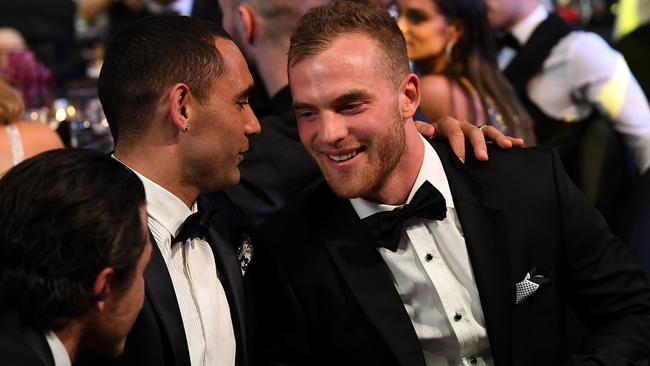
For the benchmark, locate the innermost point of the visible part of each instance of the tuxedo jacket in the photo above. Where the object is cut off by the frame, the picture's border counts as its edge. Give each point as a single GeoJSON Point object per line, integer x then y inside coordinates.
{"type": "Point", "coordinates": [325, 295]}
{"type": "Point", "coordinates": [21, 346]}
{"type": "Point", "coordinates": [158, 337]}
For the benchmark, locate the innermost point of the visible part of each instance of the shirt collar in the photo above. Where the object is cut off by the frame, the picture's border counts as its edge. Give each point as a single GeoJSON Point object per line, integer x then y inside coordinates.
{"type": "Point", "coordinates": [162, 205]}
{"type": "Point", "coordinates": [525, 28]}
{"type": "Point", "coordinates": [430, 170]}
{"type": "Point", "coordinates": [59, 353]}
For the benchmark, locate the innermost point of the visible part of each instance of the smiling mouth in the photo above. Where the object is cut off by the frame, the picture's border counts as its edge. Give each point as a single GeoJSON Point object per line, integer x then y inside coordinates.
{"type": "Point", "coordinates": [343, 157]}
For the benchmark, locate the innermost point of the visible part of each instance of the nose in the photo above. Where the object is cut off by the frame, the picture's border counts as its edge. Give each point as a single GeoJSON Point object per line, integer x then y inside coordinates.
{"type": "Point", "coordinates": [333, 129]}
{"type": "Point", "coordinates": [252, 125]}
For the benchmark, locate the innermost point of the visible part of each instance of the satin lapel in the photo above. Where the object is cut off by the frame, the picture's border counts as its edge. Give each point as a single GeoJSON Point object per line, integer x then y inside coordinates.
{"type": "Point", "coordinates": [231, 279]}
{"type": "Point", "coordinates": [369, 279]}
{"type": "Point", "coordinates": [488, 255]}
{"type": "Point", "coordinates": [161, 294]}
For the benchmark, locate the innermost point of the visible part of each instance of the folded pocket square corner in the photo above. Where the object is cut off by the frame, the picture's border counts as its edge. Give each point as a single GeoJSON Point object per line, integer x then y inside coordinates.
{"type": "Point", "coordinates": [525, 288]}
{"type": "Point", "coordinates": [531, 283]}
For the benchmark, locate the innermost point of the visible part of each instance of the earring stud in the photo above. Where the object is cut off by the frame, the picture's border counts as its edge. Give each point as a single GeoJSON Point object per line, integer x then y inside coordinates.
{"type": "Point", "coordinates": [187, 127]}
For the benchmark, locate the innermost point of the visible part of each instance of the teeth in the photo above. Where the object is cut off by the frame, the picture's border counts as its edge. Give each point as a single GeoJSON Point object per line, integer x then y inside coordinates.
{"type": "Point", "coordinates": [343, 157]}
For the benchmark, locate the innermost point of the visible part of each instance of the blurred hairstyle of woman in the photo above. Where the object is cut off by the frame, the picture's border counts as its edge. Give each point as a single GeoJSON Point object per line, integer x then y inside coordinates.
{"type": "Point", "coordinates": [20, 140]}
{"type": "Point", "coordinates": [451, 47]}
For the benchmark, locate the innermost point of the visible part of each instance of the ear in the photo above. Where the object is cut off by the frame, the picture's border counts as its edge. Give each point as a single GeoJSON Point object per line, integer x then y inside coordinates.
{"type": "Point", "coordinates": [102, 288]}
{"type": "Point", "coordinates": [409, 98]}
{"type": "Point", "coordinates": [248, 22]}
{"type": "Point", "coordinates": [179, 105]}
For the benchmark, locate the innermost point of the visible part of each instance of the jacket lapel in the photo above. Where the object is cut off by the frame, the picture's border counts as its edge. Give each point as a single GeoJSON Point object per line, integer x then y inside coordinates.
{"type": "Point", "coordinates": [487, 253]}
{"type": "Point", "coordinates": [231, 278]}
{"type": "Point", "coordinates": [161, 294]}
{"type": "Point", "coordinates": [369, 279]}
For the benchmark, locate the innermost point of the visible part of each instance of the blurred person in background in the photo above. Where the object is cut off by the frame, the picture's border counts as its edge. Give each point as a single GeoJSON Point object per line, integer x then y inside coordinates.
{"type": "Point", "coordinates": [74, 245]}
{"type": "Point", "coordinates": [450, 45]}
{"type": "Point", "coordinates": [20, 139]}
{"type": "Point", "coordinates": [22, 70]}
{"type": "Point", "coordinates": [122, 12]}
{"type": "Point", "coordinates": [581, 95]}
{"type": "Point", "coordinates": [49, 30]}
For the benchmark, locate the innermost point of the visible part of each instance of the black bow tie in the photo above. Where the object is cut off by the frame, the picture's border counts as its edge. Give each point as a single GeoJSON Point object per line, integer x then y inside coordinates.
{"type": "Point", "coordinates": [195, 226]}
{"type": "Point", "coordinates": [508, 40]}
{"type": "Point", "coordinates": [386, 227]}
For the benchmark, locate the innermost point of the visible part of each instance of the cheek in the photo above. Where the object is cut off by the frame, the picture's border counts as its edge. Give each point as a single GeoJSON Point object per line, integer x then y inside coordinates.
{"type": "Point", "coordinates": [307, 132]}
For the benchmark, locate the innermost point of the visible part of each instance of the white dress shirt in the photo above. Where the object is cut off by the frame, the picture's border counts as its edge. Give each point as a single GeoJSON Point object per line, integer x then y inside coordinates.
{"type": "Point", "coordinates": [59, 353]}
{"type": "Point", "coordinates": [199, 292]}
{"type": "Point", "coordinates": [583, 71]}
{"type": "Point", "coordinates": [433, 276]}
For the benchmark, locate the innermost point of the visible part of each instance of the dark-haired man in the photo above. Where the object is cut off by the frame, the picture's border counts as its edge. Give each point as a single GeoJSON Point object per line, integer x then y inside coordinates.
{"type": "Point", "coordinates": [175, 93]}
{"type": "Point", "coordinates": [74, 245]}
{"type": "Point", "coordinates": [408, 257]}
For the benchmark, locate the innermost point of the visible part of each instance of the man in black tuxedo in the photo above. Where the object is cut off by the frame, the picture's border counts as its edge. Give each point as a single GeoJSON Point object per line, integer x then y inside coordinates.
{"type": "Point", "coordinates": [175, 93]}
{"type": "Point", "coordinates": [408, 257]}
{"type": "Point", "coordinates": [277, 168]}
{"type": "Point", "coordinates": [73, 249]}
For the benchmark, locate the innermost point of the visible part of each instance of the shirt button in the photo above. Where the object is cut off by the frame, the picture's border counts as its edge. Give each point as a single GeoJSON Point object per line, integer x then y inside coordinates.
{"type": "Point", "coordinates": [458, 316]}
{"type": "Point", "coordinates": [428, 257]}
{"type": "Point", "coordinates": [473, 360]}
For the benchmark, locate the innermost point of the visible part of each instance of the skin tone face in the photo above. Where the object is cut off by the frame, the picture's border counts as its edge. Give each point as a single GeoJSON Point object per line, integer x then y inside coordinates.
{"type": "Point", "coordinates": [504, 14]}
{"type": "Point", "coordinates": [426, 31]}
{"type": "Point", "coordinates": [351, 119]}
{"type": "Point", "coordinates": [218, 138]}
{"type": "Point", "coordinates": [108, 331]}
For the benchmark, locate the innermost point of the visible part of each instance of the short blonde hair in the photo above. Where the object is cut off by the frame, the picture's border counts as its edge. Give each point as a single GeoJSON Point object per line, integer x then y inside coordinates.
{"type": "Point", "coordinates": [12, 105]}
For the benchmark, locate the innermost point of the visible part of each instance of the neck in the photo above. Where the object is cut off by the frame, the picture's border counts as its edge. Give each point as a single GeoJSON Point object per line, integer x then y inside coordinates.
{"type": "Point", "coordinates": [159, 164]}
{"type": "Point", "coordinates": [395, 190]}
{"type": "Point", "coordinates": [430, 65]}
{"type": "Point", "coordinates": [526, 9]}
{"type": "Point", "coordinates": [70, 336]}
{"type": "Point", "coordinates": [272, 67]}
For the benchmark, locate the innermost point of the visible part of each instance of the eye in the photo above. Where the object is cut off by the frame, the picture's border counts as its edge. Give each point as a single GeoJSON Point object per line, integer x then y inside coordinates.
{"type": "Point", "coordinates": [242, 103]}
{"type": "Point", "coordinates": [415, 17]}
{"type": "Point", "coordinates": [351, 108]}
{"type": "Point", "coordinates": [305, 115]}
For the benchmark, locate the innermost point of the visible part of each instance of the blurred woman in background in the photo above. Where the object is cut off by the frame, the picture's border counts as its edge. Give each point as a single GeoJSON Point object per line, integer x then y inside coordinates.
{"type": "Point", "coordinates": [20, 140]}
{"type": "Point", "coordinates": [451, 47]}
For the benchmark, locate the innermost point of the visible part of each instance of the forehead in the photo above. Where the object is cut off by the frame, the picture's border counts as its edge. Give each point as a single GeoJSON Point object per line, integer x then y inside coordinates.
{"type": "Point", "coordinates": [236, 76]}
{"type": "Point", "coordinates": [351, 62]}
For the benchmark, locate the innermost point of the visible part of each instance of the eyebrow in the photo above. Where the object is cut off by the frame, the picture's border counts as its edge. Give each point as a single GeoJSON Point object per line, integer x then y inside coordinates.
{"type": "Point", "coordinates": [350, 96]}
{"type": "Point", "coordinates": [246, 92]}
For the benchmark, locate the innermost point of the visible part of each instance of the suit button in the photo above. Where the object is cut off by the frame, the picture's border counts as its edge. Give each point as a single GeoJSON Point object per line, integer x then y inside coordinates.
{"type": "Point", "coordinates": [458, 316]}
{"type": "Point", "coordinates": [473, 360]}
{"type": "Point", "coordinates": [428, 257]}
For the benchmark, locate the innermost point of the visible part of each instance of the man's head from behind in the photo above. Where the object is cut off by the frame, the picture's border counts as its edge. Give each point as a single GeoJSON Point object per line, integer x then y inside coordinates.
{"type": "Point", "coordinates": [73, 246]}
{"type": "Point", "coordinates": [353, 95]}
{"type": "Point", "coordinates": [269, 21]}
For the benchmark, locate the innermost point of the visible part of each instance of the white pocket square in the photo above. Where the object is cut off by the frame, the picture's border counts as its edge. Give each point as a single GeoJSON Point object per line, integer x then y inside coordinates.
{"type": "Point", "coordinates": [244, 253]}
{"type": "Point", "coordinates": [525, 288]}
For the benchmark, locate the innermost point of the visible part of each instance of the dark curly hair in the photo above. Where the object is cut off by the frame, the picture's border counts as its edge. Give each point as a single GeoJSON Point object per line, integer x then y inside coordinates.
{"type": "Point", "coordinates": [66, 215]}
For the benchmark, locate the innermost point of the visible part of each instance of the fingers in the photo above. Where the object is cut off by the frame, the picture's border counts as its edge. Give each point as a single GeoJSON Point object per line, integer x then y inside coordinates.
{"type": "Point", "coordinates": [505, 142]}
{"type": "Point", "coordinates": [450, 129]}
{"type": "Point", "coordinates": [477, 139]}
{"type": "Point", "coordinates": [425, 129]}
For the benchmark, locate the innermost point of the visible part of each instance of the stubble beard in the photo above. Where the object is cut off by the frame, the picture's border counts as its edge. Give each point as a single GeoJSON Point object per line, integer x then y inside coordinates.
{"type": "Point", "coordinates": [366, 180]}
